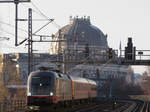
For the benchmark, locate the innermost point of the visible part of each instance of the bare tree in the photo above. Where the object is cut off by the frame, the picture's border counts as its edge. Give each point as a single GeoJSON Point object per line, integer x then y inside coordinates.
{"type": "Point", "coordinates": [148, 68]}
{"type": "Point", "coordinates": [3, 91]}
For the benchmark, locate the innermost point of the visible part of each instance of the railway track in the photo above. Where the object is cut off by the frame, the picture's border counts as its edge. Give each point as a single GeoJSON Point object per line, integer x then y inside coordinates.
{"type": "Point", "coordinates": [95, 107]}
{"type": "Point", "coordinates": [146, 107]}
{"type": "Point", "coordinates": [107, 106]}
{"type": "Point", "coordinates": [129, 106]}
{"type": "Point", "coordinates": [92, 107]}
{"type": "Point", "coordinates": [135, 106]}
{"type": "Point", "coordinates": [20, 106]}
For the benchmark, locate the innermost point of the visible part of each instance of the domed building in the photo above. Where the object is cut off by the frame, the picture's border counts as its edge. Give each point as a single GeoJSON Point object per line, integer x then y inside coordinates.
{"type": "Point", "coordinates": [77, 35]}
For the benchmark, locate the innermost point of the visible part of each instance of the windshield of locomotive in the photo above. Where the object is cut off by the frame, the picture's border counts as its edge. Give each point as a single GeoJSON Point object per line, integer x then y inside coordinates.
{"type": "Point", "coordinates": [41, 85]}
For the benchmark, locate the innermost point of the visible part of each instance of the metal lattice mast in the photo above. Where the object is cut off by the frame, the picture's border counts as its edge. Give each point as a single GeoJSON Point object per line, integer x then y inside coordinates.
{"type": "Point", "coordinates": [30, 47]}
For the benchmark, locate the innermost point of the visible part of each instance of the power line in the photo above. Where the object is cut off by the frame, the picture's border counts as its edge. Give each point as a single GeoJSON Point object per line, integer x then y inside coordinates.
{"type": "Point", "coordinates": [56, 25]}
{"type": "Point", "coordinates": [42, 27]}
{"type": "Point", "coordinates": [39, 11]}
{"type": "Point", "coordinates": [14, 35]}
{"type": "Point", "coordinates": [9, 32]}
{"type": "Point", "coordinates": [16, 2]}
{"type": "Point", "coordinates": [46, 17]}
{"type": "Point", "coordinates": [10, 25]}
{"type": "Point", "coordinates": [43, 15]}
{"type": "Point", "coordinates": [8, 46]}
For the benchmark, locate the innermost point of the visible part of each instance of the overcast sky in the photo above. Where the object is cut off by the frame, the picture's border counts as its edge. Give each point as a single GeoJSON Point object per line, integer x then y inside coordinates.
{"type": "Point", "coordinates": [119, 19]}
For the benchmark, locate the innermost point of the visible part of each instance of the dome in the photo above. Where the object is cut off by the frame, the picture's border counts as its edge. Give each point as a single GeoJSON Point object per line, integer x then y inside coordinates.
{"type": "Point", "coordinates": [78, 33]}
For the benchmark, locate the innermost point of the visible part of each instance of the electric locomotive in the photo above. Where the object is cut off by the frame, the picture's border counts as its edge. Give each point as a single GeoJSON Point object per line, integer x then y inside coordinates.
{"type": "Point", "coordinates": [48, 87]}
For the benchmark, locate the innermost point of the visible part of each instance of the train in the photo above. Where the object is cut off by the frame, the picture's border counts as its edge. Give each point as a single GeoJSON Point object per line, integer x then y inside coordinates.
{"type": "Point", "coordinates": [49, 87]}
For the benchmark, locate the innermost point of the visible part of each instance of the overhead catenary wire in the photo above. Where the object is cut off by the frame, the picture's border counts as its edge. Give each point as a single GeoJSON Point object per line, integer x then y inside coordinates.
{"type": "Point", "coordinates": [56, 25]}
{"type": "Point", "coordinates": [10, 25]}
{"type": "Point", "coordinates": [11, 47]}
{"type": "Point", "coordinates": [33, 10]}
{"type": "Point", "coordinates": [46, 17]}
{"type": "Point", "coordinates": [39, 12]}
{"type": "Point", "coordinates": [9, 33]}
{"type": "Point", "coordinates": [12, 33]}
{"type": "Point", "coordinates": [50, 20]}
{"type": "Point", "coordinates": [42, 27]}
{"type": "Point", "coordinates": [7, 46]}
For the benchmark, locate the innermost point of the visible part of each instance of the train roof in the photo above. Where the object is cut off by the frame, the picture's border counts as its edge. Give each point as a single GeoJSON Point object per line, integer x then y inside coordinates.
{"type": "Point", "coordinates": [83, 80]}
{"type": "Point", "coordinates": [79, 79]}
{"type": "Point", "coordinates": [58, 75]}
{"type": "Point", "coordinates": [43, 73]}
{"type": "Point", "coordinates": [48, 73]}
{"type": "Point", "coordinates": [91, 82]}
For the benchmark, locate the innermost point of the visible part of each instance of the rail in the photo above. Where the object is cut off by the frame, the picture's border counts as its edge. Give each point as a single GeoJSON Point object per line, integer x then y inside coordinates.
{"type": "Point", "coordinates": [123, 106]}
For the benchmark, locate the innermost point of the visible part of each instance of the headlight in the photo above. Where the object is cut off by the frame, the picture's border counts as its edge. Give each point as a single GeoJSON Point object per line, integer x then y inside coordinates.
{"type": "Point", "coordinates": [29, 94]}
{"type": "Point", "coordinates": [51, 94]}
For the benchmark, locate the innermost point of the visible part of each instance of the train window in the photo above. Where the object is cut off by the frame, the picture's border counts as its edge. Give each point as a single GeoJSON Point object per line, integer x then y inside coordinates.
{"type": "Point", "coordinates": [38, 81]}
{"type": "Point", "coordinates": [68, 77]}
{"type": "Point", "coordinates": [45, 81]}
{"type": "Point", "coordinates": [35, 80]}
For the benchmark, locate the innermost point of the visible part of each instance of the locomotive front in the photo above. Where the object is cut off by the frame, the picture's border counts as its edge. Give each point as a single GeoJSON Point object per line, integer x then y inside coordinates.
{"type": "Point", "coordinates": [40, 88]}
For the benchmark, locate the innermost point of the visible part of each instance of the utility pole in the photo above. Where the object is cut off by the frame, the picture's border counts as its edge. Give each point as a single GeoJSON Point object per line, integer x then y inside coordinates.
{"type": "Point", "coordinates": [31, 41]}
{"type": "Point", "coordinates": [30, 47]}
{"type": "Point", "coordinates": [16, 2]}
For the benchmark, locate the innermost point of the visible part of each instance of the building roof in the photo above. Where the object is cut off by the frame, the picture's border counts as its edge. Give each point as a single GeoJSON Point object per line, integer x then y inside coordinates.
{"type": "Point", "coordinates": [81, 30]}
